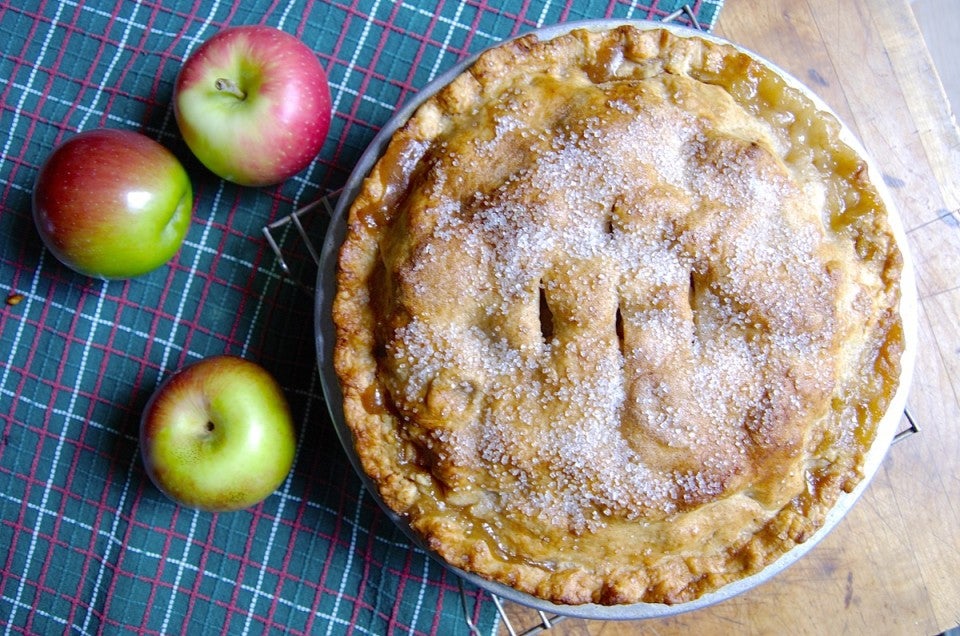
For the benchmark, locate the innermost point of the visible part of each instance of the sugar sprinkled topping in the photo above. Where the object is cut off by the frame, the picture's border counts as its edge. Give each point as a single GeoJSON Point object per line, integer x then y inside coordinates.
{"type": "Point", "coordinates": [656, 307]}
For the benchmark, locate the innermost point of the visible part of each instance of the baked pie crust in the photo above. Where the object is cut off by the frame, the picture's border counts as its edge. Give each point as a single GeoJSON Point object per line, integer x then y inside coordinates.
{"type": "Point", "coordinates": [617, 317]}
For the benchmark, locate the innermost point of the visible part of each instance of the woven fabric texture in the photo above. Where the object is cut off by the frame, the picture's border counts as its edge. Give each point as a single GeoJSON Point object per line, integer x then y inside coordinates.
{"type": "Point", "coordinates": [87, 543]}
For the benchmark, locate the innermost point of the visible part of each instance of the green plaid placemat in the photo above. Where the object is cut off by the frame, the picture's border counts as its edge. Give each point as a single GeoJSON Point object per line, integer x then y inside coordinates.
{"type": "Point", "coordinates": [87, 544]}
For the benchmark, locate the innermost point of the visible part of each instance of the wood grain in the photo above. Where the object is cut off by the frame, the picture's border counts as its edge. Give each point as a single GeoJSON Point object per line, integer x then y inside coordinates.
{"type": "Point", "coordinates": [893, 564]}
{"type": "Point", "coordinates": [940, 22]}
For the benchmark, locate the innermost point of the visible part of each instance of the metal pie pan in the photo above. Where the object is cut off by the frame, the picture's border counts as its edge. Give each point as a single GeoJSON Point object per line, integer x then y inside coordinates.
{"type": "Point", "coordinates": [326, 338]}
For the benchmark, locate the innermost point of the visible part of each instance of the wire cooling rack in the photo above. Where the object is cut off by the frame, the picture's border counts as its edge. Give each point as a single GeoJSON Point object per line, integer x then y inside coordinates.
{"type": "Point", "coordinates": [299, 225]}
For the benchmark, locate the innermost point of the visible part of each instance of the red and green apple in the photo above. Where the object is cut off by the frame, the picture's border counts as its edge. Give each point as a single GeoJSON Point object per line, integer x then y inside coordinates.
{"type": "Point", "coordinates": [112, 203]}
{"type": "Point", "coordinates": [217, 435]}
{"type": "Point", "coordinates": [253, 104]}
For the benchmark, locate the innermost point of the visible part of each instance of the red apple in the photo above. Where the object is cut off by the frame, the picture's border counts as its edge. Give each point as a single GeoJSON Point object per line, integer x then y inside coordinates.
{"type": "Point", "coordinates": [112, 203]}
{"type": "Point", "coordinates": [218, 435]}
{"type": "Point", "coordinates": [253, 104]}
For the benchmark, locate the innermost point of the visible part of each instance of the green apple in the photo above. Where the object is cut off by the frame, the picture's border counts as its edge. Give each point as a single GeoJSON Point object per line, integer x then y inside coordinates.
{"type": "Point", "coordinates": [217, 435]}
{"type": "Point", "coordinates": [112, 203]}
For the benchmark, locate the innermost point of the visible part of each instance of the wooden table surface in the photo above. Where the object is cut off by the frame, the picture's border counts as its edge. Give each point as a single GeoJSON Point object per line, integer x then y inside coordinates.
{"type": "Point", "coordinates": [892, 566]}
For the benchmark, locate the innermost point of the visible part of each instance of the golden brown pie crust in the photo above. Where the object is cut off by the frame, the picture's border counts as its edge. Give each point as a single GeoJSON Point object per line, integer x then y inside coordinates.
{"type": "Point", "coordinates": [617, 316]}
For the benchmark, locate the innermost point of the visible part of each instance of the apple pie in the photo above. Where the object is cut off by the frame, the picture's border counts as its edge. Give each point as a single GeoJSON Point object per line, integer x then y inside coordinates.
{"type": "Point", "coordinates": [617, 316]}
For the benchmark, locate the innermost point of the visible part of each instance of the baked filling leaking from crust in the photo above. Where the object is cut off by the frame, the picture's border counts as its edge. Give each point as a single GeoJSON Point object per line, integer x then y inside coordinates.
{"type": "Point", "coordinates": [617, 317]}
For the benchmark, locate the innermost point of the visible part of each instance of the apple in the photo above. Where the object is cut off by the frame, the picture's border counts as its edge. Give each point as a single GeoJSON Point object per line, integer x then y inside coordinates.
{"type": "Point", "coordinates": [112, 203]}
{"type": "Point", "coordinates": [217, 435]}
{"type": "Point", "coordinates": [253, 104]}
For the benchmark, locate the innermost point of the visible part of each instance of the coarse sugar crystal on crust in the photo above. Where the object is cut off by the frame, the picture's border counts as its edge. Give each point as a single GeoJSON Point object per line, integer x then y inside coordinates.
{"type": "Point", "coordinates": [617, 316]}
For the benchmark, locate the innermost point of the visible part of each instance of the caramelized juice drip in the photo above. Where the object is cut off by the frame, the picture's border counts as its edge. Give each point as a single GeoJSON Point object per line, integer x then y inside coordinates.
{"type": "Point", "coordinates": [370, 215]}
{"type": "Point", "coordinates": [373, 401]}
{"type": "Point", "coordinates": [392, 171]}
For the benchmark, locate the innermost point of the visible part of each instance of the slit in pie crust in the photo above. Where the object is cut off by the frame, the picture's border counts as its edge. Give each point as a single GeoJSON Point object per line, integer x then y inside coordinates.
{"type": "Point", "coordinates": [617, 317]}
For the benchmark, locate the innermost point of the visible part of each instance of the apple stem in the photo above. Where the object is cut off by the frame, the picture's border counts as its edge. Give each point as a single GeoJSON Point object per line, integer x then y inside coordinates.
{"type": "Point", "coordinates": [230, 87]}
